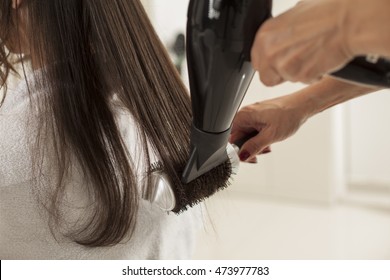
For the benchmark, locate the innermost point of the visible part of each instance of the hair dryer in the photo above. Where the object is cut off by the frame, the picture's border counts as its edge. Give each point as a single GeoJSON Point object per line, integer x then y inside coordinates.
{"type": "Point", "coordinates": [220, 34]}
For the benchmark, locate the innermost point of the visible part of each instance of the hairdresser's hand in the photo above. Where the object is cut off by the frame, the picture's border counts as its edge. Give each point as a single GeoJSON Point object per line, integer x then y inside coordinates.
{"type": "Point", "coordinates": [275, 120]}
{"type": "Point", "coordinates": [319, 37]}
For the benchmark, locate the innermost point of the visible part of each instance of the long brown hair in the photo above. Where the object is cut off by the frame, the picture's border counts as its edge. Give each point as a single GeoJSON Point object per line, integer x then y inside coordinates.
{"type": "Point", "coordinates": [93, 48]}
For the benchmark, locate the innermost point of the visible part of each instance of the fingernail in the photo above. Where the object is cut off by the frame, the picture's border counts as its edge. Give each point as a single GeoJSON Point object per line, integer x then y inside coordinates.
{"type": "Point", "coordinates": [244, 155]}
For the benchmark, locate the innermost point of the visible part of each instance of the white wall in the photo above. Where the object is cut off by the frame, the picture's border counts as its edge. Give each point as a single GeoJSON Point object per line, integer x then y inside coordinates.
{"type": "Point", "coordinates": [169, 17]}
{"type": "Point", "coordinates": [369, 138]}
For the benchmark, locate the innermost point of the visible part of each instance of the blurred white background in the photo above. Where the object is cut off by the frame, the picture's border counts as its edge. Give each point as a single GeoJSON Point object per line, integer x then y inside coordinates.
{"type": "Point", "coordinates": [322, 194]}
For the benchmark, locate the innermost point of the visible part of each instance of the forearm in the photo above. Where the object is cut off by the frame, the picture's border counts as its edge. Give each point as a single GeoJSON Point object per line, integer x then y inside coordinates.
{"type": "Point", "coordinates": [325, 94]}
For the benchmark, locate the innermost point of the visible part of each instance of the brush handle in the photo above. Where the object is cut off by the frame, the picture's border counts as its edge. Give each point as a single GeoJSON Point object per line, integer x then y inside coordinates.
{"type": "Point", "coordinates": [239, 143]}
{"type": "Point", "coordinates": [233, 149]}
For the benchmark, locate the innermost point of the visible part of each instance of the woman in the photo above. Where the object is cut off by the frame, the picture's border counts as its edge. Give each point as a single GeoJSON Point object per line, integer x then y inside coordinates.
{"type": "Point", "coordinates": [80, 132]}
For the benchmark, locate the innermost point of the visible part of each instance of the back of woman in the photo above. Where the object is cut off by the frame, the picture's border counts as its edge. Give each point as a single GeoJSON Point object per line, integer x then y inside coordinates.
{"type": "Point", "coordinates": [81, 130]}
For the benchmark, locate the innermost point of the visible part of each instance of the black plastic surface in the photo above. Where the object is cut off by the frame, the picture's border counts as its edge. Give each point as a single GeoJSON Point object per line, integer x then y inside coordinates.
{"type": "Point", "coordinates": [362, 71]}
{"type": "Point", "coordinates": [218, 52]}
{"type": "Point", "coordinates": [204, 157]}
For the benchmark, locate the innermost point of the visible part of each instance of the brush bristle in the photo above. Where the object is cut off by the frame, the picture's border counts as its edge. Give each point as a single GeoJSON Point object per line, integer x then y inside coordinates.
{"type": "Point", "coordinates": [189, 195]}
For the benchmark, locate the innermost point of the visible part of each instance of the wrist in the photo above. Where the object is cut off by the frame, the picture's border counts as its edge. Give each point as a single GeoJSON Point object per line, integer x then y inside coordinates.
{"type": "Point", "coordinates": [300, 105]}
{"type": "Point", "coordinates": [306, 103]}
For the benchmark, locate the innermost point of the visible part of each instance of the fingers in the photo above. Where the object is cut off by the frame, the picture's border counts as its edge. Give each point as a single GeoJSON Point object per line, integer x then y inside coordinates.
{"type": "Point", "coordinates": [260, 50]}
{"type": "Point", "coordinates": [251, 131]}
{"type": "Point", "coordinates": [278, 63]}
{"type": "Point", "coordinates": [236, 136]}
{"type": "Point", "coordinates": [252, 160]}
{"type": "Point", "coordinates": [266, 150]}
{"type": "Point", "coordinates": [270, 77]}
{"type": "Point", "coordinates": [300, 45]}
{"type": "Point", "coordinates": [244, 124]}
{"type": "Point", "coordinates": [254, 146]}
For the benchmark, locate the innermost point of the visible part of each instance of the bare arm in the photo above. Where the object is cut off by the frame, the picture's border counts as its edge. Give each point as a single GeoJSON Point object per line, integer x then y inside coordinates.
{"type": "Point", "coordinates": [329, 92]}
{"type": "Point", "coordinates": [279, 118]}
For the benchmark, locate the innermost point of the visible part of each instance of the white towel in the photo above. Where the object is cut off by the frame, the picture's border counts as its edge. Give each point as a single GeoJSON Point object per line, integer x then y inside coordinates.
{"type": "Point", "coordinates": [24, 229]}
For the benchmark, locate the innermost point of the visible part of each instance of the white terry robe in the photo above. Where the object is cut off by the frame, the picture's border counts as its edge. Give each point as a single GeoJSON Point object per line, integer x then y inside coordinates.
{"type": "Point", "coordinates": [24, 228]}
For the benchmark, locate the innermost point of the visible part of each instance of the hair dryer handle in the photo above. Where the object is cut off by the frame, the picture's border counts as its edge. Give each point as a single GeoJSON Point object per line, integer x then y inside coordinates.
{"type": "Point", "coordinates": [363, 71]}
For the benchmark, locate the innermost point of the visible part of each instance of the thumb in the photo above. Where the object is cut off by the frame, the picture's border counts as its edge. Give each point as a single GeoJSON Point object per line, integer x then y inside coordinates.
{"type": "Point", "coordinates": [253, 146]}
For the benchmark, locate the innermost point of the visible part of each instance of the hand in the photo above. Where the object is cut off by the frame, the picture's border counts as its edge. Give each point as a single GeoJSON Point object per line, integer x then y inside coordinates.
{"type": "Point", "coordinates": [304, 43]}
{"type": "Point", "coordinates": [275, 120]}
